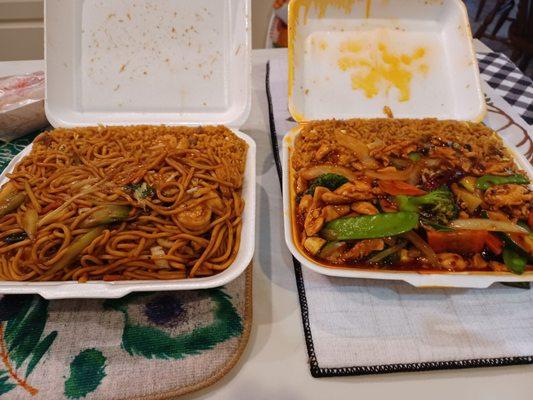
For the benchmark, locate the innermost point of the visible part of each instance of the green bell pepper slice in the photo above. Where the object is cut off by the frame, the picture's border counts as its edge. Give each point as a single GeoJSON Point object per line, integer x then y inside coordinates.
{"type": "Point", "coordinates": [487, 181]}
{"type": "Point", "coordinates": [370, 226]}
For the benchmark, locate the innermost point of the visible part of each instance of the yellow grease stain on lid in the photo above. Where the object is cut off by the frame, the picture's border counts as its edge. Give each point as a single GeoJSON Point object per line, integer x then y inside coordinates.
{"type": "Point", "coordinates": [350, 46]}
{"type": "Point", "coordinates": [382, 69]}
{"type": "Point", "coordinates": [295, 7]}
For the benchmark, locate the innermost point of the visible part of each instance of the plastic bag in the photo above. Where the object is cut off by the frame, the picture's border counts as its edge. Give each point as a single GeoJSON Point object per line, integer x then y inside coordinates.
{"type": "Point", "coordinates": [21, 105]}
{"type": "Point", "coordinates": [20, 90]}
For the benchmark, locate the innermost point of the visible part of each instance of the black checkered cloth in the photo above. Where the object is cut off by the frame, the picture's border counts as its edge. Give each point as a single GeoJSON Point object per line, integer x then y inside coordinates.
{"type": "Point", "coordinates": [509, 82]}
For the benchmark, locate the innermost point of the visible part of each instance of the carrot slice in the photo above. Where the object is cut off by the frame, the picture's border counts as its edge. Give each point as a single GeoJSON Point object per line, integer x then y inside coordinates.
{"type": "Point", "coordinates": [395, 188]}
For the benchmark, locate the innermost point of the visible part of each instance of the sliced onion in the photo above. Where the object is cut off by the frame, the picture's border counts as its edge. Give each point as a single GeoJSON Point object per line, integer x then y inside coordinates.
{"type": "Point", "coordinates": [487, 225]}
{"type": "Point", "coordinates": [421, 245]}
{"type": "Point", "coordinates": [314, 172]}
{"type": "Point", "coordinates": [359, 148]}
{"type": "Point", "coordinates": [55, 214]}
{"type": "Point", "coordinates": [387, 252]}
{"type": "Point", "coordinates": [404, 175]}
{"type": "Point", "coordinates": [332, 250]}
{"type": "Point", "coordinates": [29, 222]}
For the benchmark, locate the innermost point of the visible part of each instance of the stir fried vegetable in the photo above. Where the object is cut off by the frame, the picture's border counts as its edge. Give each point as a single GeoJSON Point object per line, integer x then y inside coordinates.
{"type": "Point", "coordinates": [511, 243]}
{"type": "Point", "coordinates": [29, 222]}
{"type": "Point", "coordinates": [106, 215]}
{"type": "Point", "coordinates": [395, 188]}
{"type": "Point", "coordinates": [16, 237]}
{"type": "Point", "coordinates": [383, 255]}
{"type": "Point", "coordinates": [317, 170]}
{"type": "Point", "coordinates": [464, 242]}
{"type": "Point", "coordinates": [514, 261]}
{"type": "Point", "coordinates": [332, 250]}
{"type": "Point", "coordinates": [471, 200]}
{"type": "Point", "coordinates": [494, 243]}
{"type": "Point", "coordinates": [330, 181]}
{"type": "Point", "coordinates": [437, 206]}
{"type": "Point", "coordinates": [11, 202]}
{"type": "Point", "coordinates": [421, 245]}
{"type": "Point", "coordinates": [357, 147]}
{"type": "Point", "coordinates": [469, 183]}
{"type": "Point", "coordinates": [75, 249]}
{"type": "Point", "coordinates": [414, 156]}
{"type": "Point", "coordinates": [140, 190]}
{"type": "Point", "coordinates": [487, 181]}
{"type": "Point", "coordinates": [402, 175]}
{"type": "Point", "coordinates": [487, 225]}
{"type": "Point", "coordinates": [314, 244]}
{"type": "Point", "coordinates": [370, 226]}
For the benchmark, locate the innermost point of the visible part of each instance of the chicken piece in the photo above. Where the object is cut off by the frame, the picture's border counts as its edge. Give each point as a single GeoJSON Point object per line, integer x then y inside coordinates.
{"type": "Point", "coordinates": [498, 267]}
{"type": "Point", "coordinates": [305, 203]}
{"type": "Point", "coordinates": [497, 167]}
{"type": "Point", "coordinates": [301, 185]}
{"type": "Point", "coordinates": [323, 151]}
{"type": "Point", "coordinates": [359, 190]}
{"type": "Point", "coordinates": [363, 249]}
{"type": "Point", "coordinates": [334, 198]}
{"type": "Point", "coordinates": [478, 262]}
{"type": "Point", "coordinates": [452, 261]}
{"type": "Point", "coordinates": [365, 208]}
{"type": "Point", "coordinates": [507, 195]}
{"type": "Point", "coordinates": [318, 200]}
{"type": "Point", "coordinates": [402, 148]}
{"type": "Point", "coordinates": [314, 221]}
{"type": "Point", "coordinates": [334, 212]}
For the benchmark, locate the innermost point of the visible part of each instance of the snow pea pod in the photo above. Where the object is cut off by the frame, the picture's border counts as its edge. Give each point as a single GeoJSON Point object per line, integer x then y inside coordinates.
{"type": "Point", "coordinates": [514, 261]}
{"type": "Point", "coordinates": [370, 226]}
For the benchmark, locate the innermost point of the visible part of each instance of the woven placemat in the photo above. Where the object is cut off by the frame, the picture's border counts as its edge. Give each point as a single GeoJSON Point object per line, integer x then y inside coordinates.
{"type": "Point", "coordinates": [143, 346]}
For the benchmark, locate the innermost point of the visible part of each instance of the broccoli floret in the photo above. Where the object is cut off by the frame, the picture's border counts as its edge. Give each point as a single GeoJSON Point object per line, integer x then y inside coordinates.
{"type": "Point", "coordinates": [437, 207]}
{"type": "Point", "coordinates": [330, 181]}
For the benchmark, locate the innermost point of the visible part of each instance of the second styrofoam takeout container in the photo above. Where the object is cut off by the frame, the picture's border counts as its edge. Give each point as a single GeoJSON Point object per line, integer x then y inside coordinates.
{"type": "Point", "coordinates": [349, 59]}
{"type": "Point", "coordinates": [174, 62]}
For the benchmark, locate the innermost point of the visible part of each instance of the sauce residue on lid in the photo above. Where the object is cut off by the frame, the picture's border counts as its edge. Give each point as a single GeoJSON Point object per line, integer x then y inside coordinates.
{"type": "Point", "coordinates": [381, 69]}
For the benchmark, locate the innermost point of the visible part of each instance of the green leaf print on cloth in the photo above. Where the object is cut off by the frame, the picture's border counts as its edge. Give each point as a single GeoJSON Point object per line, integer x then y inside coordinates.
{"type": "Point", "coordinates": [163, 327]}
{"type": "Point", "coordinates": [86, 372]}
{"type": "Point", "coordinates": [23, 322]}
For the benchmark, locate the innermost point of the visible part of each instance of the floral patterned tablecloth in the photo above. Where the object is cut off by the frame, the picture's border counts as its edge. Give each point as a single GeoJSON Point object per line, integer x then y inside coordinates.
{"type": "Point", "coordinates": [142, 346]}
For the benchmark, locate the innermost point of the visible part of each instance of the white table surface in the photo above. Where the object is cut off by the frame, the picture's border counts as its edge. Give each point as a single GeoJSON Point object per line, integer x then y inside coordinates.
{"type": "Point", "coordinates": [274, 364]}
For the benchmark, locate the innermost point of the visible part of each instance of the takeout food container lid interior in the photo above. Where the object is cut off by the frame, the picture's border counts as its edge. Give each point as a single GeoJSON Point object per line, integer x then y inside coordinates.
{"type": "Point", "coordinates": [353, 58]}
{"type": "Point", "coordinates": [174, 62]}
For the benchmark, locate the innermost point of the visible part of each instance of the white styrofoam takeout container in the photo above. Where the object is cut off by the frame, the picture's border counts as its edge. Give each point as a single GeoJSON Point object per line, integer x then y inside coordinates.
{"type": "Point", "coordinates": [173, 62]}
{"type": "Point", "coordinates": [318, 89]}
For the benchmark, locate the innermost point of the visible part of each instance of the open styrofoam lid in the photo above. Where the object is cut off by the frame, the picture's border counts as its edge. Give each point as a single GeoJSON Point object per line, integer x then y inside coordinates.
{"type": "Point", "coordinates": [129, 62]}
{"type": "Point", "coordinates": [354, 58]}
